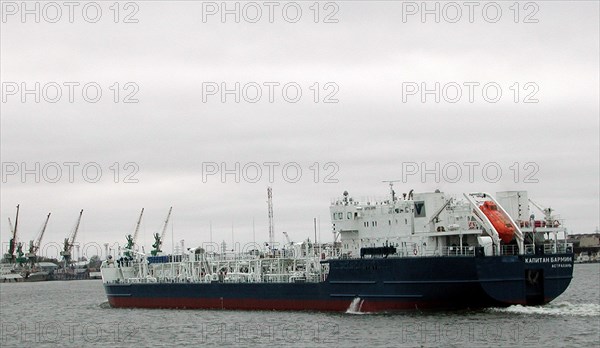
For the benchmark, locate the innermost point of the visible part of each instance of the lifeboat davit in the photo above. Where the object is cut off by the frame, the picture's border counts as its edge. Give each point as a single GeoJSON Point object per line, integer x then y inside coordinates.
{"type": "Point", "coordinates": [501, 223]}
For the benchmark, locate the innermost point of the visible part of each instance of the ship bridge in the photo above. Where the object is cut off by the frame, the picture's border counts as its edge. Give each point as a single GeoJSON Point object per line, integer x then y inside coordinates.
{"type": "Point", "coordinates": [436, 224]}
{"type": "Point", "coordinates": [430, 223]}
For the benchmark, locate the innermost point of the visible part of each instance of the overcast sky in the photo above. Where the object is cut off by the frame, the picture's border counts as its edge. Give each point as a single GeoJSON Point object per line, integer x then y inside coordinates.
{"type": "Point", "coordinates": [372, 54]}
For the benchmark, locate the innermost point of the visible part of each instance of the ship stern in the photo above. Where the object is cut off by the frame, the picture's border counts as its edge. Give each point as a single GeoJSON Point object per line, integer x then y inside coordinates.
{"type": "Point", "coordinates": [525, 279]}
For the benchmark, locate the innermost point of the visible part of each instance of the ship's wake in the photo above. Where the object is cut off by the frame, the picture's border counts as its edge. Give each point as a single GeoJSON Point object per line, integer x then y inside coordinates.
{"type": "Point", "coordinates": [559, 308]}
{"type": "Point", "coordinates": [104, 305]}
{"type": "Point", "coordinates": [355, 306]}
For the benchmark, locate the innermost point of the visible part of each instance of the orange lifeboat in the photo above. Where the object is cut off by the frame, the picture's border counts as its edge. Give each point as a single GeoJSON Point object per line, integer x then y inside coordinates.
{"type": "Point", "coordinates": [501, 223]}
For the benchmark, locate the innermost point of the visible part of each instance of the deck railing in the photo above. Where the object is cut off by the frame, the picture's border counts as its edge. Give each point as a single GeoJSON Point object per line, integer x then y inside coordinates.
{"type": "Point", "coordinates": [510, 250]}
{"type": "Point", "coordinates": [459, 251]}
{"type": "Point", "coordinates": [550, 248]}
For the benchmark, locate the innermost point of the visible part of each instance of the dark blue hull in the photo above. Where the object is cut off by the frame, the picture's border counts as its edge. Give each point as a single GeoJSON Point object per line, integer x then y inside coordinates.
{"type": "Point", "coordinates": [383, 284]}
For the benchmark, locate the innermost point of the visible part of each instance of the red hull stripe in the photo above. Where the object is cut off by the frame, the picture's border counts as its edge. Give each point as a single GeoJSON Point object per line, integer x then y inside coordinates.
{"type": "Point", "coordinates": [257, 304]}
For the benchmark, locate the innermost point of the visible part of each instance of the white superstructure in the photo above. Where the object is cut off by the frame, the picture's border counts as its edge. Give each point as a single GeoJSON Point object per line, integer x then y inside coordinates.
{"type": "Point", "coordinates": [437, 224]}
{"type": "Point", "coordinates": [426, 224]}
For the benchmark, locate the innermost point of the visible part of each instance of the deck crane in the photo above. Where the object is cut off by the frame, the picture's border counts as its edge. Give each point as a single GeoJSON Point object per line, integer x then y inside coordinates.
{"type": "Point", "coordinates": [289, 245]}
{"type": "Point", "coordinates": [132, 240]}
{"type": "Point", "coordinates": [158, 239]}
{"type": "Point", "coordinates": [69, 242]}
{"type": "Point", "coordinates": [34, 246]}
{"type": "Point", "coordinates": [548, 217]}
{"type": "Point", "coordinates": [287, 238]}
{"type": "Point", "coordinates": [12, 244]}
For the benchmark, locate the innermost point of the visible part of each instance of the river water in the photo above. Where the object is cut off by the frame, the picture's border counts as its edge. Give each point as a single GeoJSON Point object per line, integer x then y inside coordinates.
{"type": "Point", "coordinates": [75, 313]}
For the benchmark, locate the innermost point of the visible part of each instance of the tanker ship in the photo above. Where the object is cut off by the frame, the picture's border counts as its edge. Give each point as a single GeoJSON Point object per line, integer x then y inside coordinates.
{"type": "Point", "coordinates": [403, 252]}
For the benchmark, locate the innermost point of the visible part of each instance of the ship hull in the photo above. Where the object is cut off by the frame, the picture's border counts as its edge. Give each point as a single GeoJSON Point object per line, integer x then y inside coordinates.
{"type": "Point", "coordinates": [37, 277]}
{"type": "Point", "coordinates": [382, 284]}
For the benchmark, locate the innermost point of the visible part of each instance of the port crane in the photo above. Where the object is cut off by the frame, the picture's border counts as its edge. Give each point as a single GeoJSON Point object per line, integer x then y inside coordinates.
{"type": "Point", "coordinates": [158, 239]}
{"type": "Point", "coordinates": [69, 242]}
{"type": "Point", "coordinates": [12, 229]}
{"type": "Point", "coordinates": [132, 240]}
{"type": "Point", "coordinates": [12, 243]}
{"type": "Point", "coordinates": [34, 246]}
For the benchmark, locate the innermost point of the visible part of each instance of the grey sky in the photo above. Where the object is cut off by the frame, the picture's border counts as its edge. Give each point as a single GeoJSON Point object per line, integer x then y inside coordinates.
{"type": "Point", "coordinates": [369, 53]}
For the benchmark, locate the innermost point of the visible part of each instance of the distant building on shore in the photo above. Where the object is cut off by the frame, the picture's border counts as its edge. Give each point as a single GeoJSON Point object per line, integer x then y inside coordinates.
{"type": "Point", "coordinates": [586, 247]}
{"type": "Point", "coordinates": [47, 266]}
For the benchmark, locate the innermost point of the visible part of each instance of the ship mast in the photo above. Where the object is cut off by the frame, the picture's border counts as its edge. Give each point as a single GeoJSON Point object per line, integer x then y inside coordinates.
{"type": "Point", "coordinates": [271, 227]}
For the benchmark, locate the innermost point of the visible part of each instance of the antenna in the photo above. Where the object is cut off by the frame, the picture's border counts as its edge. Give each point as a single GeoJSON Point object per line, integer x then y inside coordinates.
{"type": "Point", "coordinates": [315, 223]}
{"type": "Point", "coordinates": [319, 226]}
{"type": "Point", "coordinates": [271, 227]}
{"type": "Point", "coordinates": [391, 182]}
